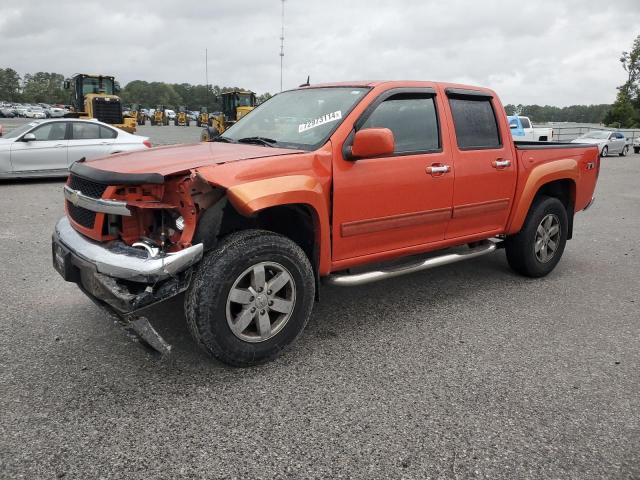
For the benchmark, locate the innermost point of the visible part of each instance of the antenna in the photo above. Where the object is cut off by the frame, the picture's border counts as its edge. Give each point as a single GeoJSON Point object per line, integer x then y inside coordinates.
{"type": "Point", "coordinates": [282, 45]}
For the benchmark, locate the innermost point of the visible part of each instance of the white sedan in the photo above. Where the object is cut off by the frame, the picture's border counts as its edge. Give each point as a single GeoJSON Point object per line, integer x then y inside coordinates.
{"type": "Point", "coordinates": [607, 142]}
{"type": "Point", "coordinates": [47, 148]}
{"type": "Point", "coordinates": [36, 112]}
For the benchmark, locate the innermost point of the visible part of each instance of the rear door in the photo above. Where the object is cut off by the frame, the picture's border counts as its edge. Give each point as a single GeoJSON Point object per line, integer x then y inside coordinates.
{"type": "Point", "coordinates": [387, 203]}
{"type": "Point", "coordinates": [484, 163]}
{"type": "Point", "coordinates": [47, 152]}
{"type": "Point", "coordinates": [88, 141]}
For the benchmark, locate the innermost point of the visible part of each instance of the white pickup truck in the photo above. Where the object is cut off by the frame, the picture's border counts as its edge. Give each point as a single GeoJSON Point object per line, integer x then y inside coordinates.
{"type": "Point", "coordinates": [523, 129]}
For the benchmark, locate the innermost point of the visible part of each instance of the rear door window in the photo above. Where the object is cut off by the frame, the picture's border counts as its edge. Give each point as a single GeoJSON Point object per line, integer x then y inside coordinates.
{"type": "Point", "coordinates": [525, 122]}
{"type": "Point", "coordinates": [412, 119]}
{"type": "Point", "coordinates": [85, 131]}
{"type": "Point", "coordinates": [475, 123]}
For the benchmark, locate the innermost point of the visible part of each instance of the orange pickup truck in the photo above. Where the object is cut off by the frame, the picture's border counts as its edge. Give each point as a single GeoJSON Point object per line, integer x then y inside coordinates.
{"type": "Point", "coordinates": [345, 183]}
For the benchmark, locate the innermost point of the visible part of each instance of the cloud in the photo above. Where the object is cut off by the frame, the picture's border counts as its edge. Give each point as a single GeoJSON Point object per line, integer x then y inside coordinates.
{"type": "Point", "coordinates": [545, 52]}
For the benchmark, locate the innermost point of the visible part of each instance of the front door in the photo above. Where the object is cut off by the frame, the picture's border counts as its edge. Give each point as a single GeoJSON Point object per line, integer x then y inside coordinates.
{"type": "Point", "coordinates": [484, 164]}
{"type": "Point", "coordinates": [389, 203]}
{"type": "Point", "coordinates": [47, 152]}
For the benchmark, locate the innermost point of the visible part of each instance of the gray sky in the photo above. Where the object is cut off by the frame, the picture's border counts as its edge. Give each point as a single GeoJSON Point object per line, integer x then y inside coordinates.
{"type": "Point", "coordinates": [536, 51]}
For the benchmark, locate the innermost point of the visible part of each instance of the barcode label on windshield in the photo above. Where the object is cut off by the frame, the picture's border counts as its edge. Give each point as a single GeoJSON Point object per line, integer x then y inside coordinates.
{"type": "Point", "coordinates": [329, 117]}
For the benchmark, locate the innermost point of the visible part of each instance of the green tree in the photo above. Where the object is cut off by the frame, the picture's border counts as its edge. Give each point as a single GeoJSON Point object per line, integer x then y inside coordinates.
{"type": "Point", "coordinates": [625, 112]}
{"type": "Point", "coordinates": [43, 87]}
{"type": "Point", "coordinates": [9, 85]}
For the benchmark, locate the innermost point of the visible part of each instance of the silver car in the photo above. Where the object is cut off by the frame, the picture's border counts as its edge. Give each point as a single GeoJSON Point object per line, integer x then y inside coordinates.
{"type": "Point", "coordinates": [608, 142]}
{"type": "Point", "coordinates": [46, 148]}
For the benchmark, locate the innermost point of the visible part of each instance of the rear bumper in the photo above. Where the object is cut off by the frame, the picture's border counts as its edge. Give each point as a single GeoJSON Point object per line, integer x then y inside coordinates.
{"type": "Point", "coordinates": [119, 277]}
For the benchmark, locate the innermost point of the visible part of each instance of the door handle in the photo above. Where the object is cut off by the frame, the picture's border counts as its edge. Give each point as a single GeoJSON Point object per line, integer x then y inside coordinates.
{"type": "Point", "coordinates": [59, 145]}
{"type": "Point", "coordinates": [438, 169]}
{"type": "Point", "coordinates": [501, 163]}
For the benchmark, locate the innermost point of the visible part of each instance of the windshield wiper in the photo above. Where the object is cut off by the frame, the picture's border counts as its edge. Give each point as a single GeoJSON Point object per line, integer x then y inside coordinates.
{"type": "Point", "coordinates": [222, 139]}
{"type": "Point", "coordinates": [259, 140]}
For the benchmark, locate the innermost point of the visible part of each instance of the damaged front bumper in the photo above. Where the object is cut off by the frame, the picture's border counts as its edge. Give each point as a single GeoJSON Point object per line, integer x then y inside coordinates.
{"type": "Point", "coordinates": [118, 277]}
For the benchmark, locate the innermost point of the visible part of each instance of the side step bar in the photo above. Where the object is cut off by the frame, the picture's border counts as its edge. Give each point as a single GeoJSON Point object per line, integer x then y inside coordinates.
{"type": "Point", "coordinates": [351, 280]}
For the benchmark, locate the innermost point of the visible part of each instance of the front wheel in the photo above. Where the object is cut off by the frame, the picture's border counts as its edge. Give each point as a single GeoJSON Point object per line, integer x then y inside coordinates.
{"type": "Point", "coordinates": [250, 297]}
{"type": "Point", "coordinates": [624, 151]}
{"type": "Point", "coordinates": [605, 151]}
{"type": "Point", "coordinates": [536, 249]}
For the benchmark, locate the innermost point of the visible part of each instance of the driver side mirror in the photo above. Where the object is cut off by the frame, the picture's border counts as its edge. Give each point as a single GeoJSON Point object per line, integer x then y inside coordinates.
{"type": "Point", "coordinates": [373, 142]}
{"type": "Point", "coordinates": [29, 137]}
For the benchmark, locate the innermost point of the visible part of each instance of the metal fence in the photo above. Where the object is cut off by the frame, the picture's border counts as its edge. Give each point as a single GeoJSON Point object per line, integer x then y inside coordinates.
{"type": "Point", "coordinates": [565, 132]}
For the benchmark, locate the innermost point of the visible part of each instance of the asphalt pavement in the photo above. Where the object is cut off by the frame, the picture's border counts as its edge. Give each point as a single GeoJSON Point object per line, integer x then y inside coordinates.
{"type": "Point", "coordinates": [466, 371]}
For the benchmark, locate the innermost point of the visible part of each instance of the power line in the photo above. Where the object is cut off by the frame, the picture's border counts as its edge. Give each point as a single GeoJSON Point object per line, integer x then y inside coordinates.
{"type": "Point", "coordinates": [282, 45]}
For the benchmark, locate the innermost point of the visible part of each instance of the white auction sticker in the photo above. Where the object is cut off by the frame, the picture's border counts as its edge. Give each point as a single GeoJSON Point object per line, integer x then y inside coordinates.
{"type": "Point", "coordinates": [329, 117]}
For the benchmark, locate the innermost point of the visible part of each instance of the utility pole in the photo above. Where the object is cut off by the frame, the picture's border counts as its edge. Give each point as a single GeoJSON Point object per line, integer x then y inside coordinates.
{"type": "Point", "coordinates": [282, 45]}
{"type": "Point", "coordinates": [206, 75]}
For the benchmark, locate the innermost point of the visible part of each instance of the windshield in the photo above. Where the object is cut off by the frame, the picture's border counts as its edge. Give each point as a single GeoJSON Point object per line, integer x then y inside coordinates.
{"type": "Point", "coordinates": [301, 119]}
{"type": "Point", "coordinates": [97, 85]}
{"type": "Point", "coordinates": [16, 132]}
{"type": "Point", "coordinates": [597, 134]}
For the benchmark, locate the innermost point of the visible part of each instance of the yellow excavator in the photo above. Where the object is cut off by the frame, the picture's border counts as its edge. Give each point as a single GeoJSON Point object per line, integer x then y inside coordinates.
{"type": "Point", "coordinates": [159, 117]}
{"type": "Point", "coordinates": [95, 96]}
{"type": "Point", "coordinates": [235, 105]}
{"type": "Point", "coordinates": [203, 117]}
{"type": "Point", "coordinates": [182, 119]}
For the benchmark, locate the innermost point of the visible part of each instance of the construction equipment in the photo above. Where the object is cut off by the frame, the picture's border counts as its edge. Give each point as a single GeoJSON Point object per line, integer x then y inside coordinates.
{"type": "Point", "coordinates": [137, 114]}
{"type": "Point", "coordinates": [181, 120]}
{"type": "Point", "coordinates": [203, 117]}
{"type": "Point", "coordinates": [95, 96]}
{"type": "Point", "coordinates": [159, 117]}
{"type": "Point", "coordinates": [235, 105]}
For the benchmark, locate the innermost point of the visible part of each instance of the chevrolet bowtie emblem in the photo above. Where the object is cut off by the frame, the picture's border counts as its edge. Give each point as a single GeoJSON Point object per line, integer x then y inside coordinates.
{"type": "Point", "coordinates": [74, 197]}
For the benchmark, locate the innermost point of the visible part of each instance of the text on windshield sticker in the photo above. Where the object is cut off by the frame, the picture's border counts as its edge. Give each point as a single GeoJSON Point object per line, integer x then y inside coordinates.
{"type": "Point", "coordinates": [329, 117]}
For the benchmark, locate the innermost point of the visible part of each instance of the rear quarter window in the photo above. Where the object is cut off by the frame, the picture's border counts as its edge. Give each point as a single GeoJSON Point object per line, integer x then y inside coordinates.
{"type": "Point", "coordinates": [475, 123]}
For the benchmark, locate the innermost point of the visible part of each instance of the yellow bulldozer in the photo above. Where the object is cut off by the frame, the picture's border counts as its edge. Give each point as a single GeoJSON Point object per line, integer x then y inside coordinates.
{"type": "Point", "coordinates": [159, 117]}
{"type": "Point", "coordinates": [203, 117]}
{"type": "Point", "coordinates": [235, 105]}
{"type": "Point", "coordinates": [182, 118]}
{"type": "Point", "coordinates": [95, 96]}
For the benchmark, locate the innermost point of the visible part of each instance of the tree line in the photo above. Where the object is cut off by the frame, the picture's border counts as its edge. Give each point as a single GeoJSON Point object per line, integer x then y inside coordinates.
{"type": "Point", "coordinates": [625, 112]}
{"type": "Point", "coordinates": [47, 87]}
{"type": "Point", "coordinates": [573, 113]}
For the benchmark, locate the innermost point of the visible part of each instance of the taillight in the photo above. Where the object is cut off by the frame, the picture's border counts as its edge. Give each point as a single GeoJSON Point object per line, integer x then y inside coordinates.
{"type": "Point", "coordinates": [147, 143]}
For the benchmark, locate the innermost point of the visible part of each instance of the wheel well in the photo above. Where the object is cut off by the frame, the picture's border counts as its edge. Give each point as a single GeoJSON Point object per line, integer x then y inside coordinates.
{"type": "Point", "coordinates": [294, 221]}
{"type": "Point", "coordinates": [565, 191]}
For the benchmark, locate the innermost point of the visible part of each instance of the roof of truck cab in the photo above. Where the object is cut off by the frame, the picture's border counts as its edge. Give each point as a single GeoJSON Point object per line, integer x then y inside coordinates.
{"type": "Point", "coordinates": [398, 84]}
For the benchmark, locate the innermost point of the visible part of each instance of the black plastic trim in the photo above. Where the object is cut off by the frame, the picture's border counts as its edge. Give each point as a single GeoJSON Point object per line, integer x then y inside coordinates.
{"type": "Point", "coordinates": [529, 145]}
{"type": "Point", "coordinates": [465, 92]}
{"type": "Point", "coordinates": [115, 178]}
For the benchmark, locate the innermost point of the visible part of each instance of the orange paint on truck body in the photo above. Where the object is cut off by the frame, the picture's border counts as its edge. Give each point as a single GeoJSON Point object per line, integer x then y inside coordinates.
{"type": "Point", "coordinates": [371, 209]}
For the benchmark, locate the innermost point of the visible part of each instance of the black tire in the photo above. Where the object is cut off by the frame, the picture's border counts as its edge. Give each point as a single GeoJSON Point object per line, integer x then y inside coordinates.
{"type": "Point", "coordinates": [624, 151]}
{"type": "Point", "coordinates": [605, 151]}
{"type": "Point", "coordinates": [206, 299]}
{"type": "Point", "coordinates": [520, 248]}
{"type": "Point", "coordinates": [636, 150]}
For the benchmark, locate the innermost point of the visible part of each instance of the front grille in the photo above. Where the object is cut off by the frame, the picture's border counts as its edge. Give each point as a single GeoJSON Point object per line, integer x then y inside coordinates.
{"type": "Point", "coordinates": [81, 216]}
{"type": "Point", "coordinates": [87, 187]}
{"type": "Point", "coordinates": [107, 111]}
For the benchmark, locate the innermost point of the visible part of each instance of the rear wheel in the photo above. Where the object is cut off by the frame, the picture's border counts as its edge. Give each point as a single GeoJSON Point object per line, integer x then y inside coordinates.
{"type": "Point", "coordinates": [537, 248]}
{"type": "Point", "coordinates": [250, 297]}
{"type": "Point", "coordinates": [605, 151]}
{"type": "Point", "coordinates": [624, 151]}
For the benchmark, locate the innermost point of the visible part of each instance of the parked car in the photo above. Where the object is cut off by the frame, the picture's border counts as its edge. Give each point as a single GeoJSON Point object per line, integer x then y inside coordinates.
{"type": "Point", "coordinates": [21, 110]}
{"type": "Point", "coordinates": [36, 112]}
{"type": "Point", "coordinates": [46, 148]}
{"type": "Point", "coordinates": [369, 172]}
{"type": "Point", "coordinates": [171, 114]}
{"type": "Point", "coordinates": [636, 145]}
{"type": "Point", "coordinates": [523, 130]}
{"type": "Point", "coordinates": [55, 112]}
{"type": "Point", "coordinates": [7, 112]}
{"type": "Point", "coordinates": [607, 142]}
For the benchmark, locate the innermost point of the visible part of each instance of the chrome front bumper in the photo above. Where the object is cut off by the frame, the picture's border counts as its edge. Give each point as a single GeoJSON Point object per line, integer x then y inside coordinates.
{"type": "Point", "coordinates": [114, 275]}
{"type": "Point", "coordinates": [121, 261]}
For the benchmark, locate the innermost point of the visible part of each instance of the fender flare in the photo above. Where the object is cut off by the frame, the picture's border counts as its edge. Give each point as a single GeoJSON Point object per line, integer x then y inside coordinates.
{"type": "Point", "coordinates": [252, 197]}
{"type": "Point", "coordinates": [564, 169]}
